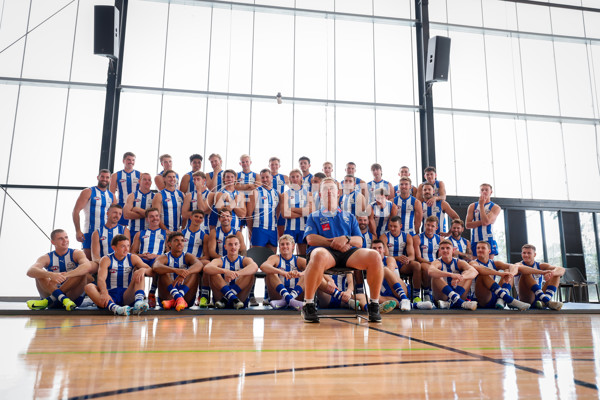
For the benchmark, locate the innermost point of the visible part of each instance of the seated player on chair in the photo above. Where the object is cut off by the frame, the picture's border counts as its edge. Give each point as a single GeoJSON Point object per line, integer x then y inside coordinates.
{"type": "Point", "coordinates": [334, 239]}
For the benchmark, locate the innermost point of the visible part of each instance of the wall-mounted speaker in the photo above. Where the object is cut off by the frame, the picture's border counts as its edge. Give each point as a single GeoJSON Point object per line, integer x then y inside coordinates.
{"type": "Point", "coordinates": [438, 59]}
{"type": "Point", "coordinates": [106, 31]}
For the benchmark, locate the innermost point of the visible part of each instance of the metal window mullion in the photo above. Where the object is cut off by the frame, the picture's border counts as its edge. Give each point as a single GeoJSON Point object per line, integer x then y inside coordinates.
{"type": "Point", "coordinates": [62, 144]}
{"type": "Point", "coordinates": [207, 83]}
{"type": "Point", "coordinates": [12, 139]}
{"type": "Point", "coordinates": [162, 95]}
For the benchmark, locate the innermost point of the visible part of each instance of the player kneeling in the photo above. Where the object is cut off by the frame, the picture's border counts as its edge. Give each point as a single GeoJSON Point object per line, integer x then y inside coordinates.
{"type": "Point", "coordinates": [120, 280]}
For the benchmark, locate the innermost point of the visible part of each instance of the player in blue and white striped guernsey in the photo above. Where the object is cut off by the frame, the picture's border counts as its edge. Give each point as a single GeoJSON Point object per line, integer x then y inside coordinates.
{"type": "Point", "coordinates": [246, 182]}
{"type": "Point", "coordinates": [196, 243]}
{"type": "Point", "coordinates": [439, 188]}
{"type": "Point", "coordinates": [60, 275]}
{"type": "Point", "coordinates": [199, 199]}
{"type": "Point", "coordinates": [187, 181]}
{"type": "Point", "coordinates": [228, 197]}
{"type": "Point", "coordinates": [279, 180]}
{"type": "Point", "coordinates": [426, 247]}
{"type": "Point", "coordinates": [393, 289]}
{"type": "Point", "coordinates": [451, 279]}
{"type": "Point", "coordinates": [360, 184]}
{"type": "Point", "coordinates": [231, 276]}
{"type": "Point", "coordinates": [480, 218]}
{"type": "Point", "coordinates": [214, 179]}
{"type": "Point", "coordinates": [304, 165]}
{"type": "Point", "coordinates": [283, 279]}
{"type": "Point", "coordinates": [178, 274]}
{"type": "Point", "coordinates": [352, 200]}
{"type": "Point", "coordinates": [121, 280]}
{"type": "Point", "coordinates": [125, 181]}
{"type": "Point", "coordinates": [405, 173]}
{"type": "Point", "coordinates": [410, 209]}
{"type": "Point", "coordinates": [216, 238]}
{"type": "Point", "coordinates": [263, 210]}
{"type": "Point", "coordinates": [381, 211]}
{"type": "Point", "coordinates": [149, 244]}
{"type": "Point", "coordinates": [462, 246]}
{"type": "Point", "coordinates": [94, 202]}
{"type": "Point", "coordinates": [169, 203]}
{"type": "Point", "coordinates": [538, 282]}
{"type": "Point", "coordinates": [379, 183]}
{"type": "Point", "coordinates": [137, 203]}
{"type": "Point", "coordinates": [399, 245]}
{"type": "Point", "coordinates": [166, 162]}
{"type": "Point", "coordinates": [295, 207]}
{"type": "Point", "coordinates": [439, 209]}
{"type": "Point", "coordinates": [102, 237]}
{"type": "Point", "coordinates": [490, 292]}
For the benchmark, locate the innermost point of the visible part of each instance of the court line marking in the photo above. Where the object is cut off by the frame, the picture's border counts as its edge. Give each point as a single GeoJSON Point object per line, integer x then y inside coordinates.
{"type": "Point", "coordinates": [252, 374]}
{"type": "Point", "coordinates": [469, 354]}
{"type": "Point", "coordinates": [222, 351]}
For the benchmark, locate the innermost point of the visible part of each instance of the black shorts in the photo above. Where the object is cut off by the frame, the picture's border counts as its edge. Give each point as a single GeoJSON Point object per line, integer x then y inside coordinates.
{"type": "Point", "coordinates": [339, 257]}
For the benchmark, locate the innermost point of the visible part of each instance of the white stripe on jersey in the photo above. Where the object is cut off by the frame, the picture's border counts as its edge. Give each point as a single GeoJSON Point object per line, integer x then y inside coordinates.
{"type": "Point", "coordinates": [143, 201]}
{"type": "Point", "coordinates": [96, 207]}
{"type": "Point", "coordinates": [482, 233]}
{"type": "Point", "coordinates": [119, 272]}
{"type": "Point", "coordinates": [264, 209]}
{"type": "Point", "coordinates": [296, 199]}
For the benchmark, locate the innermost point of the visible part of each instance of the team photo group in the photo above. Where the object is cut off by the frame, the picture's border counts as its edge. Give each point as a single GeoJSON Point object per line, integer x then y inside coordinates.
{"type": "Point", "coordinates": [190, 235]}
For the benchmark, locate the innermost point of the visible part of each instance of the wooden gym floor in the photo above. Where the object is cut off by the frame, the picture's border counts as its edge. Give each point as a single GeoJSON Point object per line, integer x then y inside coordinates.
{"type": "Point", "coordinates": [493, 355]}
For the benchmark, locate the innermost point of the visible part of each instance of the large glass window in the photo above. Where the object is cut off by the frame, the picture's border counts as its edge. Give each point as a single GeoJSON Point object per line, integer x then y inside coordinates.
{"type": "Point", "coordinates": [552, 233]}
{"type": "Point", "coordinates": [590, 253]}
{"type": "Point", "coordinates": [534, 232]}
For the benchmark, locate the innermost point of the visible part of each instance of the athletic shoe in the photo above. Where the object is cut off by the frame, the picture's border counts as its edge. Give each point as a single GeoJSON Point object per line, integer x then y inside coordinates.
{"type": "Point", "coordinates": [309, 313]}
{"type": "Point", "coordinates": [444, 305]}
{"type": "Point", "coordinates": [427, 298]}
{"type": "Point", "coordinates": [374, 315]}
{"type": "Point", "coordinates": [500, 304]}
{"type": "Point", "coordinates": [539, 305]}
{"type": "Point", "coordinates": [266, 302]}
{"type": "Point", "coordinates": [469, 305]}
{"type": "Point", "coordinates": [203, 302]}
{"type": "Point", "coordinates": [387, 306]}
{"type": "Point", "coordinates": [519, 305]}
{"type": "Point", "coordinates": [168, 304]}
{"type": "Point", "coordinates": [38, 304]}
{"type": "Point", "coordinates": [220, 304]}
{"type": "Point", "coordinates": [277, 304]}
{"type": "Point", "coordinates": [69, 304]}
{"type": "Point", "coordinates": [87, 302]}
{"type": "Point", "coordinates": [354, 305]}
{"type": "Point", "coordinates": [151, 300]}
{"type": "Point", "coordinates": [554, 305]}
{"type": "Point", "coordinates": [238, 304]}
{"type": "Point", "coordinates": [417, 299]}
{"type": "Point", "coordinates": [424, 305]}
{"type": "Point", "coordinates": [123, 310]}
{"type": "Point", "coordinates": [253, 302]}
{"type": "Point", "coordinates": [139, 307]}
{"type": "Point", "coordinates": [180, 304]}
{"type": "Point", "coordinates": [405, 305]}
{"type": "Point", "coordinates": [295, 304]}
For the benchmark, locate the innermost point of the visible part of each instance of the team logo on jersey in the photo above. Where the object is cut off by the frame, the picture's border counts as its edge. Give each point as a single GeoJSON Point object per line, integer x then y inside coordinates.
{"type": "Point", "coordinates": [71, 265]}
{"type": "Point", "coordinates": [168, 200]}
{"type": "Point", "coordinates": [326, 227]}
{"type": "Point", "coordinates": [97, 198]}
{"type": "Point", "coordinates": [54, 268]}
{"type": "Point", "coordinates": [409, 207]}
{"type": "Point", "coordinates": [102, 238]}
{"type": "Point", "coordinates": [346, 219]}
{"type": "Point", "coordinates": [122, 180]}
